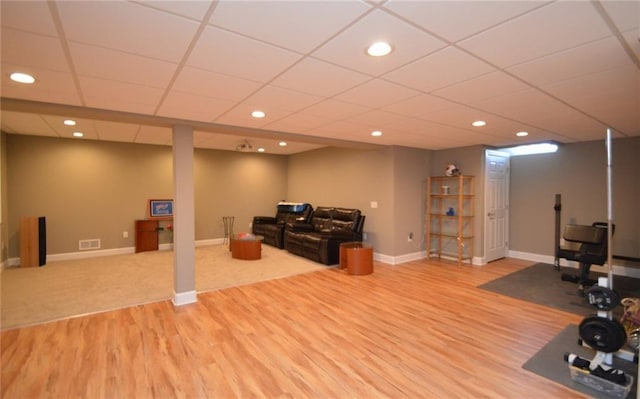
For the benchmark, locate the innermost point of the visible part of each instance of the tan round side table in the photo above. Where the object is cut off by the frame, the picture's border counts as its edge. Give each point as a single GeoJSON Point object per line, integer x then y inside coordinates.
{"type": "Point", "coordinates": [356, 257]}
{"type": "Point", "coordinates": [245, 246]}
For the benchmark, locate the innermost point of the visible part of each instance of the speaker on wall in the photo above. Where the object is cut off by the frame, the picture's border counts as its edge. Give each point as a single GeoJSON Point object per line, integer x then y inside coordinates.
{"type": "Point", "coordinates": [33, 241]}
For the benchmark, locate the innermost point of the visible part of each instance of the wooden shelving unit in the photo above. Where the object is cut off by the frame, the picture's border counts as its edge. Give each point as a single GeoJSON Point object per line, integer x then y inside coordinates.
{"type": "Point", "coordinates": [450, 219]}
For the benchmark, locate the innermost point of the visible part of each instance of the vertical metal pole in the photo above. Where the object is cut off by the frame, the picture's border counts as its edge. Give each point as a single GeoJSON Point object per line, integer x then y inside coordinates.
{"type": "Point", "coordinates": [609, 211]}
{"type": "Point", "coordinates": [558, 208]}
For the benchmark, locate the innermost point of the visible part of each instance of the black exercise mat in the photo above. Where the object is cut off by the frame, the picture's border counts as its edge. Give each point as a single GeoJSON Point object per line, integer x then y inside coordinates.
{"type": "Point", "coordinates": [541, 284]}
{"type": "Point", "coordinates": [549, 362]}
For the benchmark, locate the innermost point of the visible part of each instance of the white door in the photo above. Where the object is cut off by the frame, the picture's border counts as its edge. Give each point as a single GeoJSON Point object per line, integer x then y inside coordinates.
{"type": "Point", "coordinates": [496, 204]}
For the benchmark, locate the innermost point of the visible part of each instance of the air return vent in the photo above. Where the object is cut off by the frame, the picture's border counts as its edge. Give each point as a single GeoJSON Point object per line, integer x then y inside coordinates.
{"type": "Point", "coordinates": [86, 245]}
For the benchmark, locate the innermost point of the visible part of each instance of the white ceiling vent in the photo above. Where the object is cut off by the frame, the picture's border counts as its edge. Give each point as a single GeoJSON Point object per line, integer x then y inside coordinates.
{"type": "Point", "coordinates": [86, 245]}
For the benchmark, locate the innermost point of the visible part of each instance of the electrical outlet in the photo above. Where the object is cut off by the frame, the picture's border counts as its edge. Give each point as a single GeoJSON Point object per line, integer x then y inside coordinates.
{"type": "Point", "coordinates": [125, 234]}
{"type": "Point", "coordinates": [410, 237]}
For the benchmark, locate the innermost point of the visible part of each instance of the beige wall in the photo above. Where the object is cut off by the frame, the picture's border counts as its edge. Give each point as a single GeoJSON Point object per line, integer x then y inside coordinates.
{"type": "Point", "coordinates": [350, 179]}
{"type": "Point", "coordinates": [578, 172]}
{"type": "Point", "coordinates": [392, 177]}
{"type": "Point", "coordinates": [89, 189]}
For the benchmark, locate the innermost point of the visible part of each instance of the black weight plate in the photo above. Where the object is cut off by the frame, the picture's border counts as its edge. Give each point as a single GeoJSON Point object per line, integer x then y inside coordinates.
{"type": "Point", "coordinates": [603, 298]}
{"type": "Point", "coordinates": [602, 334]}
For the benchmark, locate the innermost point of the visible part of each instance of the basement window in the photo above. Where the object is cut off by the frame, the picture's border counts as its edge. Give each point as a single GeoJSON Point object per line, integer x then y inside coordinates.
{"type": "Point", "coordinates": [530, 149]}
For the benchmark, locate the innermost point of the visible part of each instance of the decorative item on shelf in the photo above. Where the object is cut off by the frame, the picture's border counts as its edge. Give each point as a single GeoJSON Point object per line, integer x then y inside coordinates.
{"type": "Point", "coordinates": [452, 170]}
{"type": "Point", "coordinates": [451, 212]}
{"type": "Point", "coordinates": [445, 190]}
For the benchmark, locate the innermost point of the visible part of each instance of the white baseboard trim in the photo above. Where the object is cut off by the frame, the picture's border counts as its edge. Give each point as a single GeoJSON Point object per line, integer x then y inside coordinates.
{"type": "Point", "coordinates": [184, 298]}
{"type": "Point", "coordinates": [396, 260]}
{"type": "Point", "coordinates": [618, 267]}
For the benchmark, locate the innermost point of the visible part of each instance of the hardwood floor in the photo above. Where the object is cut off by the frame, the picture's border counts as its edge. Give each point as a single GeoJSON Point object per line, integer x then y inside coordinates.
{"type": "Point", "coordinates": [416, 330]}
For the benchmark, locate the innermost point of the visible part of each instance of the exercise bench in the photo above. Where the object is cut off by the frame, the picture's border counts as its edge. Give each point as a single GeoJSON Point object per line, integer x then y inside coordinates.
{"type": "Point", "coordinates": [586, 245]}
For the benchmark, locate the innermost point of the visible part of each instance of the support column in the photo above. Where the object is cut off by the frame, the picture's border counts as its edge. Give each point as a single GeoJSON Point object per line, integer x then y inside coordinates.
{"type": "Point", "coordinates": [184, 283]}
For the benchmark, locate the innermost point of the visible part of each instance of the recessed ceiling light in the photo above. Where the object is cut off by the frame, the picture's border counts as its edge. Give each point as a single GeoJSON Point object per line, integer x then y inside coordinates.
{"type": "Point", "coordinates": [22, 78]}
{"type": "Point", "coordinates": [282, 144]}
{"type": "Point", "coordinates": [379, 49]}
{"type": "Point", "coordinates": [479, 123]}
{"type": "Point", "coordinates": [78, 134]}
{"type": "Point", "coordinates": [258, 114]}
{"type": "Point", "coordinates": [376, 133]}
{"type": "Point", "coordinates": [69, 122]}
{"type": "Point", "coordinates": [522, 134]}
{"type": "Point", "coordinates": [260, 149]}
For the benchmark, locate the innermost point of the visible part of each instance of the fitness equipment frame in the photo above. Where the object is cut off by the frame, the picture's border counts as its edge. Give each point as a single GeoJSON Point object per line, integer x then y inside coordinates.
{"type": "Point", "coordinates": [601, 331]}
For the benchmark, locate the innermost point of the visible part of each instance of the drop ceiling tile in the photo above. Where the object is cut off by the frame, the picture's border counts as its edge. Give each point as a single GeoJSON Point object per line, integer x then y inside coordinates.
{"type": "Point", "coordinates": [419, 105]}
{"type": "Point", "coordinates": [96, 62]}
{"type": "Point", "coordinates": [119, 96]}
{"type": "Point", "coordinates": [438, 70]}
{"type": "Point", "coordinates": [127, 27]}
{"type": "Point", "coordinates": [335, 109]}
{"type": "Point", "coordinates": [377, 93]}
{"type": "Point", "coordinates": [378, 119]}
{"type": "Point", "coordinates": [43, 51]}
{"type": "Point", "coordinates": [29, 16]}
{"type": "Point", "coordinates": [542, 111]}
{"type": "Point", "coordinates": [211, 84]}
{"type": "Point", "coordinates": [297, 123]}
{"type": "Point", "coordinates": [191, 9]}
{"type": "Point", "coordinates": [114, 131]}
{"type": "Point", "coordinates": [273, 97]}
{"type": "Point", "coordinates": [240, 115]}
{"type": "Point", "coordinates": [239, 56]}
{"type": "Point", "coordinates": [348, 49]}
{"type": "Point", "coordinates": [486, 86]}
{"type": "Point", "coordinates": [593, 57]}
{"type": "Point", "coordinates": [193, 107]}
{"type": "Point", "coordinates": [343, 130]}
{"type": "Point", "coordinates": [319, 78]}
{"type": "Point", "coordinates": [555, 27]}
{"type": "Point", "coordinates": [632, 37]}
{"type": "Point", "coordinates": [456, 115]}
{"type": "Point", "coordinates": [154, 135]}
{"type": "Point", "coordinates": [612, 96]}
{"type": "Point", "coordinates": [275, 21]}
{"type": "Point", "coordinates": [609, 82]}
{"type": "Point", "coordinates": [455, 20]}
{"type": "Point", "coordinates": [57, 124]}
{"type": "Point", "coordinates": [50, 86]}
{"type": "Point", "coordinates": [624, 14]}
{"type": "Point", "coordinates": [26, 123]}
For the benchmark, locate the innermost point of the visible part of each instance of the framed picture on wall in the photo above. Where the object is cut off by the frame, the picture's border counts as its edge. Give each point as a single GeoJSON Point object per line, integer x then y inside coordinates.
{"type": "Point", "coordinates": [160, 208]}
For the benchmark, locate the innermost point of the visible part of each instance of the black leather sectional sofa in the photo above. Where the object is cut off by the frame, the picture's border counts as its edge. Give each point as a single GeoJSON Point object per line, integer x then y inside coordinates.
{"type": "Point", "coordinates": [314, 234]}
{"type": "Point", "coordinates": [320, 239]}
{"type": "Point", "coordinates": [272, 228]}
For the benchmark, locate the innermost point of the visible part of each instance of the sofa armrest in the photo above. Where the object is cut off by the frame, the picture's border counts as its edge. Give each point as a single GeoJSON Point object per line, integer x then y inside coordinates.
{"type": "Point", "coordinates": [299, 227]}
{"type": "Point", "coordinates": [264, 220]}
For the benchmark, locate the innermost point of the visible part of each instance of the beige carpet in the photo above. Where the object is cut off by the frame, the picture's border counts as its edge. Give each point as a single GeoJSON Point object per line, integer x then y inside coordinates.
{"type": "Point", "coordinates": [69, 288]}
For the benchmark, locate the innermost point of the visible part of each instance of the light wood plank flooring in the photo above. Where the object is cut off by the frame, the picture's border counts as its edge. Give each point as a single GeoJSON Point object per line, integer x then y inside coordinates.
{"type": "Point", "coordinates": [416, 330]}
